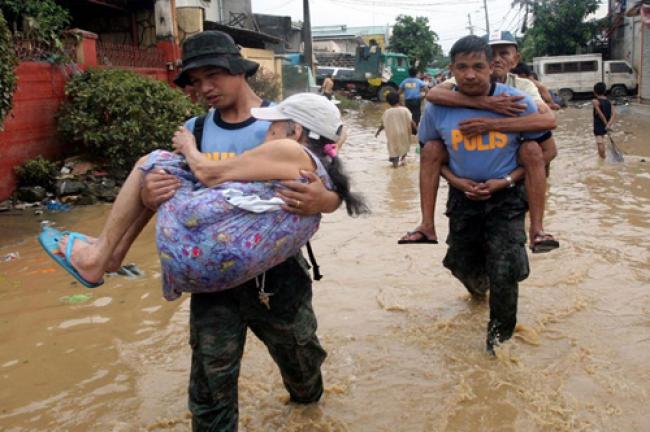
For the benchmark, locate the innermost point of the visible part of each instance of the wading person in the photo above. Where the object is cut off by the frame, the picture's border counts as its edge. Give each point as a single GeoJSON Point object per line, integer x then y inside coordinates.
{"type": "Point", "coordinates": [604, 116]}
{"type": "Point", "coordinates": [398, 124]}
{"type": "Point", "coordinates": [533, 160]}
{"type": "Point", "coordinates": [214, 68]}
{"type": "Point", "coordinates": [412, 88]}
{"type": "Point", "coordinates": [327, 88]}
{"type": "Point", "coordinates": [486, 209]}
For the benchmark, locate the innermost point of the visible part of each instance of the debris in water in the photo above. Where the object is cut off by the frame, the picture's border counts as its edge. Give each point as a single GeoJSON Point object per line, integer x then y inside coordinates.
{"type": "Point", "coordinates": [130, 270]}
{"type": "Point", "coordinates": [10, 257]}
{"type": "Point", "coordinates": [76, 298]}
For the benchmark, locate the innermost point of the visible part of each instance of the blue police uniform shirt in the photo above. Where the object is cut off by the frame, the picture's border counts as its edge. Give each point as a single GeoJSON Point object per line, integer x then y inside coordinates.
{"type": "Point", "coordinates": [492, 155]}
{"type": "Point", "coordinates": [411, 87]}
{"type": "Point", "coordinates": [223, 140]}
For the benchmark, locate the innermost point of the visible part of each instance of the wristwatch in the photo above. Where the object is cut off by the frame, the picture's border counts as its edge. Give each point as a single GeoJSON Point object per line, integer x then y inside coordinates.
{"type": "Point", "coordinates": [511, 183]}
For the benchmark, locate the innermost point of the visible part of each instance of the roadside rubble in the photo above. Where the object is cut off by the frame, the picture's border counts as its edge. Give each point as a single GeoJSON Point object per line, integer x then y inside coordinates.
{"type": "Point", "coordinates": [79, 182]}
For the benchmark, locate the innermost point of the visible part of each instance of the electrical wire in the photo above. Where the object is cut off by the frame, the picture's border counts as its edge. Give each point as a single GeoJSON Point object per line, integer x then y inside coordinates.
{"type": "Point", "coordinates": [403, 4]}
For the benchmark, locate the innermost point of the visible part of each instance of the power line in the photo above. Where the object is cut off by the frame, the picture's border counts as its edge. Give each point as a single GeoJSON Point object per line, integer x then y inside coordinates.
{"type": "Point", "coordinates": [487, 17]}
{"type": "Point", "coordinates": [403, 6]}
{"type": "Point", "coordinates": [503, 20]}
{"type": "Point", "coordinates": [516, 17]}
{"type": "Point", "coordinates": [408, 3]}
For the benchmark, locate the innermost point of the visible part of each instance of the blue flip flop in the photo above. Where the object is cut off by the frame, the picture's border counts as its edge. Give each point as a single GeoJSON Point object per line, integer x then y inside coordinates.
{"type": "Point", "coordinates": [49, 239]}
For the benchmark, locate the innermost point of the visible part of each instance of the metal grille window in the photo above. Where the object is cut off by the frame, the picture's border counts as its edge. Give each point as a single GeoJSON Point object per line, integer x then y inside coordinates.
{"type": "Point", "coordinates": [127, 55]}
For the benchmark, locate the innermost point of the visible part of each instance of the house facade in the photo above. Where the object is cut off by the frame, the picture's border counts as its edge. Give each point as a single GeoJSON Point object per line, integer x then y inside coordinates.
{"type": "Point", "coordinates": [140, 35]}
{"type": "Point", "coordinates": [629, 39]}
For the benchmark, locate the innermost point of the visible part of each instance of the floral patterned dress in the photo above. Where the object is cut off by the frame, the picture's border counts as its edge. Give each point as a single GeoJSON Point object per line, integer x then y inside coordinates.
{"type": "Point", "coordinates": [207, 244]}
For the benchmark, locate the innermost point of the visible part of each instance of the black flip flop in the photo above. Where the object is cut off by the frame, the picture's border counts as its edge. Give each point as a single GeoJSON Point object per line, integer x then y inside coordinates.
{"type": "Point", "coordinates": [543, 246]}
{"type": "Point", "coordinates": [422, 240]}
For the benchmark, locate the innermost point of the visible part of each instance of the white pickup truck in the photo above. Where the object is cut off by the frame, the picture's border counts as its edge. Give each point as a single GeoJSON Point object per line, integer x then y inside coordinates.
{"type": "Point", "coordinates": [579, 73]}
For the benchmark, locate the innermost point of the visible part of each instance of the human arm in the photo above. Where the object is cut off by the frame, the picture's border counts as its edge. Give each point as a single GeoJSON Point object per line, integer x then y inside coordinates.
{"type": "Point", "coordinates": [543, 119]}
{"type": "Point", "coordinates": [473, 190]}
{"type": "Point", "coordinates": [400, 89]}
{"type": "Point", "coordinates": [443, 94]}
{"type": "Point", "coordinates": [612, 118]}
{"type": "Point", "coordinates": [342, 138]}
{"type": "Point", "coordinates": [308, 198]}
{"type": "Point", "coordinates": [599, 112]}
{"type": "Point", "coordinates": [272, 160]}
{"type": "Point", "coordinates": [479, 191]}
{"type": "Point", "coordinates": [381, 128]}
{"type": "Point", "coordinates": [545, 94]}
{"type": "Point", "coordinates": [157, 187]}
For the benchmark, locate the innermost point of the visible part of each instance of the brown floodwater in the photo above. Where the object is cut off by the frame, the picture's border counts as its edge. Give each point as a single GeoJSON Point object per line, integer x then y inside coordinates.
{"type": "Point", "coordinates": [405, 343]}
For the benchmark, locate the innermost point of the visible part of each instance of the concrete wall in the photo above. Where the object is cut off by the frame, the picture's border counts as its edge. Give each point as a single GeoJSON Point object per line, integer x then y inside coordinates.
{"type": "Point", "coordinates": [631, 42]}
{"type": "Point", "coordinates": [189, 21]}
{"type": "Point", "coordinates": [211, 8]}
{"type": "Point", "coordinates": [280, 27]}
{"type": "Point", "coordinates": [235, 6]}
{"type": "Point", "coordinates": [644, 80]}
{"type": "Point", "coordinates": [266, 58]}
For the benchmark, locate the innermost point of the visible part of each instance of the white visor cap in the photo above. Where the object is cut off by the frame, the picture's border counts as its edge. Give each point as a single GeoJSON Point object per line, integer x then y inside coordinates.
{"type": "Point", "coordinates": [312, 111]}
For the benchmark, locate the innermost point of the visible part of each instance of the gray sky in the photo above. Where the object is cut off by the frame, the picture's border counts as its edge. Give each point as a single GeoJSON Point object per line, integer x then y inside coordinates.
{"type": "Point", "coordinates": [447, 18]}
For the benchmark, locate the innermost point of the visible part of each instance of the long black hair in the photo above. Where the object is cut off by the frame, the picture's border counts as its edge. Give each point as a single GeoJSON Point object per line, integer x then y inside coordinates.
{"type": "Point", "coordinates": [354, 202]}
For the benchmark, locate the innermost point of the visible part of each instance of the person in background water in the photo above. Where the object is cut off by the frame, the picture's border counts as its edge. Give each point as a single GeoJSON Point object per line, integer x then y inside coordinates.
{"type": "Point", "coordinates": [327, 88]}
{"type": "Point", "coordinates": [213, 66]}
{"type": "Point", "coordinates": [412, 88]}
{"type": "Point", "coordinates": [604, 116]}
{"type": "Point", "coordinates": [398, 123]}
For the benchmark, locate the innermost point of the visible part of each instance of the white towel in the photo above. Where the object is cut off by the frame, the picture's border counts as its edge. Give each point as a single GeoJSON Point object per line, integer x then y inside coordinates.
{"type": "Point", "coordinates": [252, 203]}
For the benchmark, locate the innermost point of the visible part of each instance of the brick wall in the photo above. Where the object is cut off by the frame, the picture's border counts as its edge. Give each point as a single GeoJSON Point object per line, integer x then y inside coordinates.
{"type": "Point", "coordinates": [30, 127]}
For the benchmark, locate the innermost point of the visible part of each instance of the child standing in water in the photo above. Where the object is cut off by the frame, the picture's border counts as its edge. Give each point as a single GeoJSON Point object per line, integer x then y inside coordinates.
{"type": "Point", "coordinates": [398, 122]}
{"type": "Point", "coordinates": [604, 116]}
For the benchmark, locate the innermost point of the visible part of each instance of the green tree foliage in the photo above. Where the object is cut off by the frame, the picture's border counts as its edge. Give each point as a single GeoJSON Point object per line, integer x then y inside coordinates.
{"type": "Point", "coordinates": [8, 64]}
{"type": "Point", "coordinates": [41, 21]}
{"type": "Point", "coordinates": [560, 28]}
{"type": "Point", "coordinates": [413, 37]}
{"type": "Point", "coordinates": [120, 115]}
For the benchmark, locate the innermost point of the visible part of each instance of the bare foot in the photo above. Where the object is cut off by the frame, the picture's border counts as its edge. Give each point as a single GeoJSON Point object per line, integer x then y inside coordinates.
{"type": "Point", "coordinates": [115, 263]}
{"type": "Point", "coordinates": [84, 258]}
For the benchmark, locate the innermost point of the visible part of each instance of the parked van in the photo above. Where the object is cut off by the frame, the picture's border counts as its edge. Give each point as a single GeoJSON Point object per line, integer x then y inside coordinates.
{"type": "Point", "coordinates": [568, 75]}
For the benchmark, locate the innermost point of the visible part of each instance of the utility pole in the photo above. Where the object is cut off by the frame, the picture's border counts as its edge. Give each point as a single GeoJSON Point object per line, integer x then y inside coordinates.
{"type": "Point", "coordinates": [306, 35]}
{"type": "Point", "coordinates": [470, 27]}
{"type": "Point", "coordinates": [487, 18]}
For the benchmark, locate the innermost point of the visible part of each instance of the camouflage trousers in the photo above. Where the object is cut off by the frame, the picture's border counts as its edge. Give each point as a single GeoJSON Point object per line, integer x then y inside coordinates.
{"type": "Point", "coordinates": [487, 251]}
{"type": "Point", "coordinates": [218, 326]}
